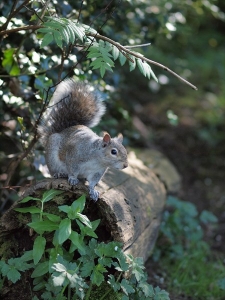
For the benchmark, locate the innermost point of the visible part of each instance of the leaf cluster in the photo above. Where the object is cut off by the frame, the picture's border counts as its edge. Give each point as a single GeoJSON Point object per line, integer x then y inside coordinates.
{"type": "Point", "coordinates": [74, 262]}
{"type": "Point", "coordinates": [185, 256]}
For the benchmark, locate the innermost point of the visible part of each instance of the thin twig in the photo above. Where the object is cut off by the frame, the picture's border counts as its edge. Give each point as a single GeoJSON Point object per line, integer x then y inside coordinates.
{"type": "Point", "coordinates": [137, 46]}
{"type": "Point", "coordinates": [122, 48]}
{"type": "Point", "coordinates": [81, 6]}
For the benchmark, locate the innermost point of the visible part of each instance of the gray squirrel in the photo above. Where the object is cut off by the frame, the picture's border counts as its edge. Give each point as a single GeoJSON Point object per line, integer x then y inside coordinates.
{"type": "Point", "coordinates": [73, 150]}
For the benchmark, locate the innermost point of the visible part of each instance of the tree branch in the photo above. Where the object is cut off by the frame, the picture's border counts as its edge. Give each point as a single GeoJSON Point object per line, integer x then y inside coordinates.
{"type": "Point", "coordinates": [122, 48]}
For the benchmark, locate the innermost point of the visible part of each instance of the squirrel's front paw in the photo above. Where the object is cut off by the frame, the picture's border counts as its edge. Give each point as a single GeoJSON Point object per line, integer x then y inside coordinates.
{"type": "Point", "coordinates": [93, 194]}
{"type": "Point", "coordinates": [73, 180]}
{"type": "Point", "coordinates": [60, 175]}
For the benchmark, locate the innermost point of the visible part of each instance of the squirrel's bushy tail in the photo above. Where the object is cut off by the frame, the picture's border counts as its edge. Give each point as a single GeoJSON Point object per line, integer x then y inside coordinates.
{"type": "Point", "coordinates": [73, 103]}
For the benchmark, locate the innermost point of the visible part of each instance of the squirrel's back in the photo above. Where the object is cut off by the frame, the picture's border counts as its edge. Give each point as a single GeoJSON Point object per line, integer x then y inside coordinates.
{"type": "Point", "coordinates": [73, 103]}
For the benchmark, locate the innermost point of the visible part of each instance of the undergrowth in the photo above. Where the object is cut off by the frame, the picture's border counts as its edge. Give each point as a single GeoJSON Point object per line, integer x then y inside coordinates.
{"type": "Point", "coordinates": [190, 266]}
{"type": "Point", "coordinates": [68, 262]}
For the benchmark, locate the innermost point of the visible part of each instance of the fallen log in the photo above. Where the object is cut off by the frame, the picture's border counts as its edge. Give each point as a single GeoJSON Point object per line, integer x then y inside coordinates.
{"type": "Point", "coordinates": [130, 208]}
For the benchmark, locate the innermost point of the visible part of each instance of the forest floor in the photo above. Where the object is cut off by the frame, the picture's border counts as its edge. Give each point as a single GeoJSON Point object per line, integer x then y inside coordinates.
{"type": "Point", "coordinates": [201, 166]}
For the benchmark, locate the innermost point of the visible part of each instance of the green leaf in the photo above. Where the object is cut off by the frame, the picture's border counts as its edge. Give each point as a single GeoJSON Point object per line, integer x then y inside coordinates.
{"type": "Point", "coordinates": [49, 195]}
{"type": "Point", "coordinates": [132, 64]}
{"type": "Point", "coordinates": [40, 270]}
{"type": "Point", "coordinates": [161, 294]}
{"type": "Point", "coordinates": [122, 58]}
{"type": "Point", "coordinates": [147, 69]}
{"type": "Point", "coordinates": [39, 248]}
{"type": "Point", "coordinates": [71, 34]}
{"type": "Point", "coordinates": [88, 29]}
{"type": "Point", "coordinates": [84, 219]}
{"type": "Point", "coordinates": [97, 274]}
{"type": "Point", "coordinates": [207, 217]}
{"type": "Point", "coordinates": [153, 75]}
{"type": "Point", "coordinates": [146, 288]}
{"type": "Point", "coordinates": [94, 224]}
{"type": "Point", "coordinates": [115, 52]}
{"type": "Point", "coordinates": [87, 268]}
{"type": "Point", "coordinates": [85, 230]}
{"type": "Point", "coordinates": [126, 287]}
{"type": "Point", "coordinates": [9, 63]}
{"type": "Point", "coordinates": [137, 267]}
{"type": "Point", "coordinates": [31, 209]}
{"type": "Point", "coordinates": [64, 230]}
{"type": "Point", "coordinates": [28, 199]}
{"type": "Point", "coordinates": [41, 226]}
{"type": "Point", "coordinates": [141, 66]}
{"type": "Point", "coordinates": [43, 30]}
{"type": "Point", "coordinates": [78, 30]}
{"type": "Point", "coordinates": [65, 208]}
{"type": "Point", "coordinates": [115, 285]}
{"type": "Point", "coordinates": [28, 255]}
{"type": "Point", "coordinates": [77, 243]}
{"type": "Point", "coordinates": [47, 39]}
{"type": "Point", "coordinates": [52, 217]}
{"type": "Point", "coordinates": [58, 38]}
{"type": "Point", "coordinates": [79, 204]}
{"type": "Point", "coordinates": [13, 275]}
{"type": "Point", "coordinates": [53, 23]}
{"type": "Point", "coordinates": [221, 283]}
{"type": "Point", "coordinates": [65, 35]}
{"type": "Point", "coordinates": [109, 249]}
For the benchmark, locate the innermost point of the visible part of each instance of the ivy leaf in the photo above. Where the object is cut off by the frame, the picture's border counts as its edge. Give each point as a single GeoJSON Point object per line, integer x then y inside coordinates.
{"type": "Point", "coordinates": [39, 248]}
{"type": "Point", "coordinates": [64, 230]}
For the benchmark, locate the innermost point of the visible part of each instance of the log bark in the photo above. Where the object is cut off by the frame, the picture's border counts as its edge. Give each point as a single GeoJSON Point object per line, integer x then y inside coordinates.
{"type": "Point", "coordinates": [130, 208]}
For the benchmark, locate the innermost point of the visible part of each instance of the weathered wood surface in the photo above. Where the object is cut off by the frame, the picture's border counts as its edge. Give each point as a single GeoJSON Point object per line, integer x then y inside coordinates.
{"type": "Point", "coordinates": [130, 206]}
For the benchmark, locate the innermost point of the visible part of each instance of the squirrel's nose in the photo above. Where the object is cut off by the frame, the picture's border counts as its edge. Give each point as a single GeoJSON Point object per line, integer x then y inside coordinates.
{"type": "Point", "coordinates": [125, 165]}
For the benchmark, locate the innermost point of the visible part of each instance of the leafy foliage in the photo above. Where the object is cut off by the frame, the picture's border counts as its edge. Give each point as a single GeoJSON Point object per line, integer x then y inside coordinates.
{"type": "Point", "coordinates": [185, 256]}
{"type": "Point", "coordinates": [87, 265]}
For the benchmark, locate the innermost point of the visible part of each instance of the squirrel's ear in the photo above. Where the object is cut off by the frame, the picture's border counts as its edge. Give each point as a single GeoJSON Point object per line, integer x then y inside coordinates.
{"type": "Point", "coordinates": [120, 137]}
{"type": "Point", "coordinates": [106, 139]}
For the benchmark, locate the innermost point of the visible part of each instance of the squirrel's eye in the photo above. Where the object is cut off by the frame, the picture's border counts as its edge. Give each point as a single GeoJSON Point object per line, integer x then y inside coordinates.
{"type": "Point", "coordinates": [114, 152]}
